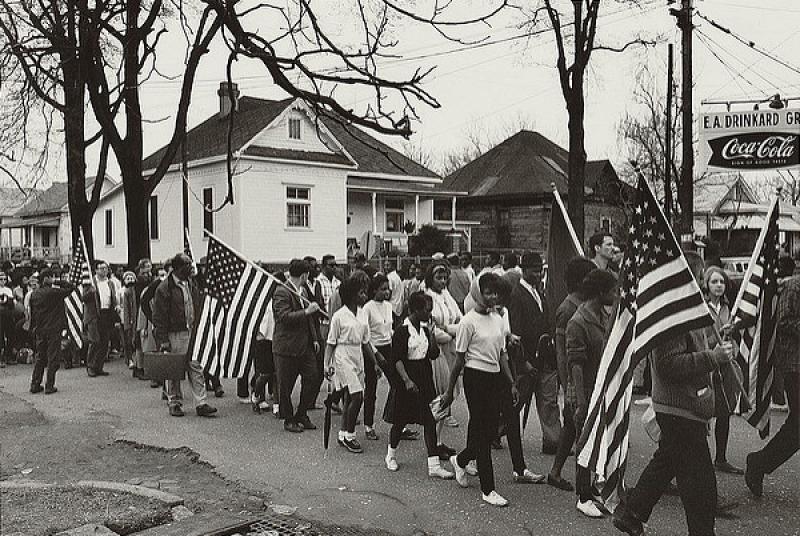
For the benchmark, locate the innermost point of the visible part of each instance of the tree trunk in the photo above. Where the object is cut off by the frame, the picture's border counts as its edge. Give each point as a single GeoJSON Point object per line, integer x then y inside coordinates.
{"type": "Point", "coordinates": [577, 156]}
{"type": "Point", "coordinates": [136, 204]}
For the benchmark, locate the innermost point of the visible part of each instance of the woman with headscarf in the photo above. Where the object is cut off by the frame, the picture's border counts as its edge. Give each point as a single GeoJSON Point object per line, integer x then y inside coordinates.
{"type": "Point", "coordinates": [445, 316]}
{"type": "Point", "coordinates": [715, 284]}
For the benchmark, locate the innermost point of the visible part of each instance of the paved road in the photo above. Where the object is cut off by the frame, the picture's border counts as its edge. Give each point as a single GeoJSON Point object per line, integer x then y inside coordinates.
{"type": "Point", "coordinates": [339, 487]}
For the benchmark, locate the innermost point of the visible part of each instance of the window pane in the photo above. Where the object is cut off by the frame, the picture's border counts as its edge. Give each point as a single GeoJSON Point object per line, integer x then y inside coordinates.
{"type": "Point", "coordinates": [208, 203]}
{"type": "Point", "coordinates": [394, 222]}
{"type": "Point", "coordinates": [294, 128]}
{"type": "Point", "coordinates": [154, 217]}
{"type": "Point", "coordinates": [109, 227]}
{"type": "Point", "coordinates": [297, 215]}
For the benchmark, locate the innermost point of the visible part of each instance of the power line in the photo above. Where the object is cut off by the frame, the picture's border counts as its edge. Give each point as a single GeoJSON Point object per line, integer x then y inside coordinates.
{"type": "Point", "coordinates": [739, 74]}
{"type": "Point", "coordinates": [748, 43]}
{"type": "Point", "coordinates": [759, 7]}
{"type": "Point", "coordinates": [735, 77]}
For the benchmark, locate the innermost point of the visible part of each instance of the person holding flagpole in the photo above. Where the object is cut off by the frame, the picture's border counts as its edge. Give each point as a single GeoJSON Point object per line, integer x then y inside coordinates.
{"type": "Point", "coordinates": [48, 320]}
{"type": "Point", "coordinates": [683, 399]}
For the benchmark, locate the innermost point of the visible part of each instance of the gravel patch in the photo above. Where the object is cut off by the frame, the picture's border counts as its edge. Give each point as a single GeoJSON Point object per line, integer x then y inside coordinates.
{"type": "Point", "coordinates": [47, 511]}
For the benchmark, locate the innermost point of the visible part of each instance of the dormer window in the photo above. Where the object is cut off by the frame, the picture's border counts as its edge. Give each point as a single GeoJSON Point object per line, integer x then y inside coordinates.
{"type": "Point", "coordinates": [294, 128]}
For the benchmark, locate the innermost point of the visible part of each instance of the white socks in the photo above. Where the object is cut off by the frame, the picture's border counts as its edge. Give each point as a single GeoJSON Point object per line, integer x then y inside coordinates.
{"type": "Point", "coordinates": [391, 459]}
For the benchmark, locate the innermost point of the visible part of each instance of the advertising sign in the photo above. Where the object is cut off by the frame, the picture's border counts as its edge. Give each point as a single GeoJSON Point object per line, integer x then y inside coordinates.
{"type": "Point", "coordinates": [754, 140]}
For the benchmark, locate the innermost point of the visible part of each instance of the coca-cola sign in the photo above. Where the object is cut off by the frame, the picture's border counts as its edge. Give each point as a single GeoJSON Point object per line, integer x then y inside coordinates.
{"type": "Point", "coordinates": [753, 140]}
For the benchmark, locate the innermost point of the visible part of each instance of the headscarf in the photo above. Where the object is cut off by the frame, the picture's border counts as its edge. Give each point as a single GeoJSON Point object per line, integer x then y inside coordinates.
{"type": "Point", "coordinates": [475, 299]}
{"type": "Point", "coordinates": [434, 269]}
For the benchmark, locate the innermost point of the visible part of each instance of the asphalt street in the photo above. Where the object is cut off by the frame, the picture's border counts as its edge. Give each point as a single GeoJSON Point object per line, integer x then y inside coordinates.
{"type": "Point", "coordinates": [339, 487]}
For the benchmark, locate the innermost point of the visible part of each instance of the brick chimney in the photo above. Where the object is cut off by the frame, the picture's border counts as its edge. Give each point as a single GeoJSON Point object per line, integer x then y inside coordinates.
{"type": "Point", "coordinates": [225, 98]}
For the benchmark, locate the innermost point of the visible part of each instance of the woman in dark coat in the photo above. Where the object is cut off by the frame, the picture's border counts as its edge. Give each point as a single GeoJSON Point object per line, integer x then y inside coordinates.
{"type": "Point", "coordinates": [413, 348]}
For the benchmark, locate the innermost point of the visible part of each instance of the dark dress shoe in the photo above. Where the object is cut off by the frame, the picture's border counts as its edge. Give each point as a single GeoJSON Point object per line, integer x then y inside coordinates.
{"type": "Point", "coordinates": [560, 483]}
{"type": "Point", "coordinates": [306, 423]}
{"type": "Point", "coordinates": [291, 426]}
{"type": "Point", "coordinates": [50, 390]}
{"type": "Point", "coordinates": [91, 373]}
{"type": "Point", "coordinates": [219, 392]}
{"type": "Point", "coordinates": [626, 523]}
{"type": "Point", "coordinates": [36, 389]}
{"type": "Point", "coordinates": [176, 411]}
{"type": "Point", "coordinates": [727, 467]}
{"type": "Point", "coordinates": [753, 478]}
{"type": "Point", "coordinates": [204, 410]}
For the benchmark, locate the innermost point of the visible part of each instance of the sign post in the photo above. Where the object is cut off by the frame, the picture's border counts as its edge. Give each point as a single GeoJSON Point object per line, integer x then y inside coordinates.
{"type": "Point", "coordinates": [754, 140]}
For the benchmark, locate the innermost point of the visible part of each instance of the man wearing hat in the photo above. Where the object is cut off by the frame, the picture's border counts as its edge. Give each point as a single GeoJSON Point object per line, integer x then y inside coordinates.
{"type": "Point", "coordinates": [529, 317]}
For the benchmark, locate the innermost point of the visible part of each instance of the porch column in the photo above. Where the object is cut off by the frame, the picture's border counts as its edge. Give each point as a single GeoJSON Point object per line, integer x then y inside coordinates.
{"type": "Point", "coordinates": [453, 213]}
{"type": "Point", "coordinates": [374, 213]}
{"type": "Point", "coordinates": [416, 211]}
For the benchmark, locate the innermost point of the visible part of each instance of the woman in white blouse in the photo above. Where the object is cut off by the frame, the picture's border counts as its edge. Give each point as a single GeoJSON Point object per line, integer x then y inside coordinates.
{"type": "Point", "coordinates": [445, 315]}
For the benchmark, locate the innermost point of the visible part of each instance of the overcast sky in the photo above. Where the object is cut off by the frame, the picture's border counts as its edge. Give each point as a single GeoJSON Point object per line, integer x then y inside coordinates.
{"type": "Point", "coordinates": [491, 87]}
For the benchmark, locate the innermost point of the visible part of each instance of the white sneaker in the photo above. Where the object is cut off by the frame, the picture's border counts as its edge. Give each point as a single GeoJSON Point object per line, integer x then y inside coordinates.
{"type": "Point", "coordinates": [391, 463]}
{"type": "Point", "coordinates": [588, 508]}
{"type": "Point", "coordinates": [461, 474]}
{"type": "Point", "coordinates": [243, 399]}
{"type": "Point", "coordinates": [472, 468]}
{"type": "Point", "coordinates": [440, 472]}
{"type": "Point", "coordinates": [528, 477]}
{"type": "Point", "coordinates": [495, 499]}
{"type": "Point", "coordinates": [264, 405]}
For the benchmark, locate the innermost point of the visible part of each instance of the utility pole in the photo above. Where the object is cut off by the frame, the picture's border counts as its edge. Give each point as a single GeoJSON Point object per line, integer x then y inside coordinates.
{"type": "Point", "coordinates": [668, 141]}
{"type": "Point", "coordinates": [686, 186]}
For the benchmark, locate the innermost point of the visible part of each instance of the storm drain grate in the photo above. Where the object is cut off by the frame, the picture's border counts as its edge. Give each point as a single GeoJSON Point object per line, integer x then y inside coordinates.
{"type": "Point", "coordinates": [277, 526]}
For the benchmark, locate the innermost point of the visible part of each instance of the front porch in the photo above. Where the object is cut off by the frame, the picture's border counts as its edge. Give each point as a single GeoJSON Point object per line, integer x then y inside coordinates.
{"type": "Point", "coordinates": [386, 212]}
{"type": "Point", "coordinates": [35, 238]}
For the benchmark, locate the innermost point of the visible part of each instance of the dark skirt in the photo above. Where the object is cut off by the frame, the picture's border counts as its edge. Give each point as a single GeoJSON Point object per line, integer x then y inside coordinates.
{"type": "Point", "coordinates": [406, 407]}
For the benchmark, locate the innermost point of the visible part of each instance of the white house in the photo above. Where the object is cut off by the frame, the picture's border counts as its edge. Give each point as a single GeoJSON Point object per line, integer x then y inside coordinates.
{"type": "Point", "coordinates": [42, 228]}
{"type": "Point", "coordinates": [300, 187]}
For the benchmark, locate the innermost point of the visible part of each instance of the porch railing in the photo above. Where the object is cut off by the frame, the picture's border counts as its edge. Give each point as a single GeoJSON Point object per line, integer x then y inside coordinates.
{"type": "Point", "coordinates": [20, 253]}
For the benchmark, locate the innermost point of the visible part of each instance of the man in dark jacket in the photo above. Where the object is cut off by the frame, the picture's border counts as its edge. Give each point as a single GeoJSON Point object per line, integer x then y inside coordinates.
{"type": "Point", "coordinates": [529, 317]}
{"type": "Point", "coordinates": [48, 321]}
{"type": "Point", "coordinates": [295, 344]}
{"type": "Point", "coordinates": [683, 399]}
{"type": "Point", "coordinates": [176, 311]}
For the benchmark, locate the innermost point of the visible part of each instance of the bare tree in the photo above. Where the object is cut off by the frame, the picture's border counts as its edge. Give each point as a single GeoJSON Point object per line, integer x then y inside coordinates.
{"type": "Point", "coordinates": [572, 62]}
{"type": "Point", "coordinates": [42, 56]}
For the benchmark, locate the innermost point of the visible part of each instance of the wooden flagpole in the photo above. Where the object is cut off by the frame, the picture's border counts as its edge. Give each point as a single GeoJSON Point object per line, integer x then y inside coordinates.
{"type": "Point", "coordinates": [260, 269]}
{"type": "Point", "coordinates": [567, 221]}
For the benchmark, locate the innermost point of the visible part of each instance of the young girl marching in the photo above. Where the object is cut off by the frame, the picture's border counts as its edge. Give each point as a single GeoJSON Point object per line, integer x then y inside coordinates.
{"type": "Point", "coordinates": [348, 343]}
{"type": "Point", "coordinates": [378, 315]}
{"type": "Point", "coordinates": [481, 354]}
{"type": "Point", "coordinates": [413, 348]}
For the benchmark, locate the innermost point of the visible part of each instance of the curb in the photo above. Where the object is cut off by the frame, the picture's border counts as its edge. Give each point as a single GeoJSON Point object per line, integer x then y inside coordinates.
{"type": "Point", "coordinates": [167, 498]}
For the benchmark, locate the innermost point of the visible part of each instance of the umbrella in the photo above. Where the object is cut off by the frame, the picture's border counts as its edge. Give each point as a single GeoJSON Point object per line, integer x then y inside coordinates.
{"type": "Point", "coordinates": [326, 429]}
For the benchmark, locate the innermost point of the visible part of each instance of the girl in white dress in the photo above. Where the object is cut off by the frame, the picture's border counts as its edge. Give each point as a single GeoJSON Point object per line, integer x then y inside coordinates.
{"type": "Point", "coordinates": [445, 316]}
{"type": "Point", "coordinates": [348, 343]}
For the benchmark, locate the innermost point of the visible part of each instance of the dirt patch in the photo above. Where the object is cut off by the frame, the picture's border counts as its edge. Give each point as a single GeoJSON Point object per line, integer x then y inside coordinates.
{"type": "Point", "coordinates": [46, 511]}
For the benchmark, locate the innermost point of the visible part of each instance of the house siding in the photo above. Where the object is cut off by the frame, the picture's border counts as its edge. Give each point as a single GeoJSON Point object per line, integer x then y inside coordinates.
{"type": "Point", "coordinates": [277, 136]}
{"type": "Point", "coordinates": [261, 197]}
{"type": "Point", "coordinates": [528, 225]}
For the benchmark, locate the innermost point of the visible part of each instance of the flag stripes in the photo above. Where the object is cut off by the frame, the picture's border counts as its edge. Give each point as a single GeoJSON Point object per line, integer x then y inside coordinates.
{"type": "Point", "coordinates": [755, 309]}
{"type": "Point", "coordinates": [236, 301]}
{"type": "Point", "coordinates": [660, 299]}
{"type": "Point", "coordinates": [79, 275]}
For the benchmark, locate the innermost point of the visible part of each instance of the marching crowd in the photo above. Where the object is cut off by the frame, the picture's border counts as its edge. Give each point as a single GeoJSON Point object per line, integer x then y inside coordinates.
{"type": "Point", "coordinates": [447, 331]}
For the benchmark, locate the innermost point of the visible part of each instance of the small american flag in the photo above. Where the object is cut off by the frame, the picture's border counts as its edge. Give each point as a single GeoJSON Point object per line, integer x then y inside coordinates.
{"type": "Point", "coordinates": [237, 296]}
{"type": "Point", "coordinates": [79, 275]}
{"type": "Point", "coordinates": [756, 308]}
{"type": "Point", "coordinates": [660, 300]}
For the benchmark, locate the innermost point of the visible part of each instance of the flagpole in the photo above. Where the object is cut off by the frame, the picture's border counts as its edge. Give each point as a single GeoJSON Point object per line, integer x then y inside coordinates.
{"type": "Point", "coordinates": [91, 273]}
{"type": "Point", "coordinates": [568, 222]}
{"type": "Point", "coordinates": [260, 269]}
{"type": "Point", "coordinates": [753, 258]}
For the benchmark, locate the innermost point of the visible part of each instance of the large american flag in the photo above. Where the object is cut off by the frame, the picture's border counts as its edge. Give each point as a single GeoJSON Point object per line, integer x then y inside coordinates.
{"type": "Point", "coordinates": [236, 299]}
{"type": "Point", "coordinates": [660, 300]}
{"type": "Point", "coordinates": [755, 308]}
{"type": "Point", "coordinates": [79, 275]}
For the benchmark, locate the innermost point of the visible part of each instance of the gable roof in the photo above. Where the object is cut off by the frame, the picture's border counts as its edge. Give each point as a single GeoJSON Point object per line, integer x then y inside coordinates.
{"type": "Point", "coordinates": [209, 139]}
{"type": "Point", "coordinates": [53, 199]}
{"type": "Point", "coordinates": [711, 196]}
{"type": "Point", "coordinates": [525, 164]}
{"type": "Point", "coordinates": [12, 199]}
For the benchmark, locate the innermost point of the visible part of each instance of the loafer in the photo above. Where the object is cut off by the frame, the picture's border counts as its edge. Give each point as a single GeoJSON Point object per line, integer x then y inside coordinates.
{"type": "Point", "coordinates": [50, 390]}
{"type": "Point", "coordinates": [560, 483]}
{"type": "Point", "coordinates": [727, 467]}
{"type": "Point", "coordinates": [176, 411]}
{"type": "Point", "coordinates": [204, 410]}
{"type": "Point", "coordinates": [528, 477]}
{"type": "Point", "coordinates": [291, 426]}
{"type": "Point", "coordinates": [352, 445]}
{"type": "Point", "coordinates": [753, 478]}
{"type": "Point", "coordinates": [306, 423]}
{"type": "Point", "coordinates": [36, 389]}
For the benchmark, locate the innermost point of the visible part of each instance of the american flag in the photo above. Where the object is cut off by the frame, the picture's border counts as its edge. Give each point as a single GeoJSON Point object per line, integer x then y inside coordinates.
{"type": "Point", "coordinates": [79, 275]}
{"type": "Point", "coordinates": [755, 308]}
{"type": "Point", "coordinates": [237, 295]}
{"type": "Point", "coordinates": [659, 300]}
